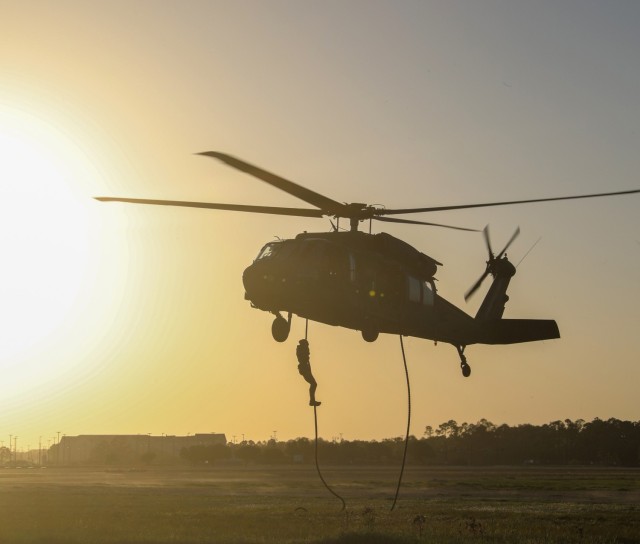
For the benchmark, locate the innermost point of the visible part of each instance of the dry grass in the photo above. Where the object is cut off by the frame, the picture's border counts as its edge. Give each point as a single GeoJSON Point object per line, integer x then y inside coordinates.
{"type": "Point", "coordinates": [289, 504]}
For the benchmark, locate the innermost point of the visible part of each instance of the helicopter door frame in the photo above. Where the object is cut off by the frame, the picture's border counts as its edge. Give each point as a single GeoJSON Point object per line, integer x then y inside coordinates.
{"type": "Point", "coordinates": [353, 277]}
{"type": "Point", "coordinates": [428, 293]}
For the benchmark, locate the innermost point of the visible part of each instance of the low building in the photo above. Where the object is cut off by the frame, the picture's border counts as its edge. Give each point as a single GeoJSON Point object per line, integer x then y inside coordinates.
{"type": "Point", "coordinates": [101, 449]}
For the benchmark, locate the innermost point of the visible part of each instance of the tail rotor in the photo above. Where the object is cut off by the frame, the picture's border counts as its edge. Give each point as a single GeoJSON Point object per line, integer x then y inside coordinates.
{"type": "Point", "coordinates": [493, 259]}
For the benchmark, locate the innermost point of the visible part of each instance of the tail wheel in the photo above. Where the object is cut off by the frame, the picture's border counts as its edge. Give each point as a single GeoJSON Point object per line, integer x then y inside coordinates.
{"type": "Point", "coordinates": [464, 366]}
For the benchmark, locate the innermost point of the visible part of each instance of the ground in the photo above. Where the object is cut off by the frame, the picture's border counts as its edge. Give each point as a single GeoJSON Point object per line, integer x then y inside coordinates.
{"type": "Point", "coordinates": [290, 505]}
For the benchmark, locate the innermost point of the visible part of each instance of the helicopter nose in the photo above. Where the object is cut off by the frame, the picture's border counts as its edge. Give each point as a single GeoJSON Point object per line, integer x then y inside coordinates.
{"type": "Point", "coordinates": [250, 282]}
{"type": "Point", "coordinates": [258, 280]}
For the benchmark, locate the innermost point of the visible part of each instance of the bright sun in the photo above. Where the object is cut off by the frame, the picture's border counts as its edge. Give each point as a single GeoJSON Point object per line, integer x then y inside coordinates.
{"type": "Point", "coordinates": [44, 239]}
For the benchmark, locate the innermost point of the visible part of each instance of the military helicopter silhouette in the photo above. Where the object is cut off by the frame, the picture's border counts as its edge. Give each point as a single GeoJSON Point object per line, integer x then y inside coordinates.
{"type": "Point", "coordinates": [373, 283]}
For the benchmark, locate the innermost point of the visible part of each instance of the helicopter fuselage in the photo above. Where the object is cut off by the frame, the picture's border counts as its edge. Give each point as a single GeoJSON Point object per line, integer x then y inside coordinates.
{"type": "Point", "coordinates": [374, 283]}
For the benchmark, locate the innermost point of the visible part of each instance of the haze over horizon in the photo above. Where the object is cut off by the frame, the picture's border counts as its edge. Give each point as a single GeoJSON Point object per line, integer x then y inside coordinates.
{"type": "Point", "coordinates": [131, 319]}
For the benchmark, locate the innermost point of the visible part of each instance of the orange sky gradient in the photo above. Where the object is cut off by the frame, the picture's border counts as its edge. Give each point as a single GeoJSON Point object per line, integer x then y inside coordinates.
{"type": "Point", "coordinates": [131, 319]}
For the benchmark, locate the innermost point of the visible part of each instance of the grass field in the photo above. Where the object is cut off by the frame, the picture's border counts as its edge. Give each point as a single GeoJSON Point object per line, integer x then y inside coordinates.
{"type": "Point", "coordinates": [290, 504]}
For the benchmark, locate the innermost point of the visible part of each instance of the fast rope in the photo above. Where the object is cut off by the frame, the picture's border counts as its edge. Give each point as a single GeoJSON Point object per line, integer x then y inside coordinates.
{"type": "Point", "coordinates": [344, 505]}
{"type": "Point", "coordinates": [315, 419]}
{"type": "Point", "coordinates": [406, 440]}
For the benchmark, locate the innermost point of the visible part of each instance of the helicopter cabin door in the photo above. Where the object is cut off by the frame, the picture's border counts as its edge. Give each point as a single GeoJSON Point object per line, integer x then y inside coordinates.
{"type": "Point", "coordinates": [420, 299]}
{"type": "Point", "coordinates": [322, 276]}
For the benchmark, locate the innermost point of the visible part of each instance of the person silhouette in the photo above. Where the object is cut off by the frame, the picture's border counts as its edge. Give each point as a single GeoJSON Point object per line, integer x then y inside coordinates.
{"type": "Point", "coordinates": [304, 367]}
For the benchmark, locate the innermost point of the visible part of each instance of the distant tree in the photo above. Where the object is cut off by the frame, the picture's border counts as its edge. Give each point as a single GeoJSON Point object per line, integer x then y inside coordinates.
{"type": "Point", "coordinates": [611, 442]}
{"type": "Point", "coordinates": [450, 429]}
{"type": "Point", "coordinates": [272, 454]}
{"type": "Point", "coordinates": [203, 455]}
{"type": "Point", "coordinates": [248, 452]}
{"type": "Point", "coordinates": [420, 451]}
{"type": "Point", "coordinates": [299, 447]}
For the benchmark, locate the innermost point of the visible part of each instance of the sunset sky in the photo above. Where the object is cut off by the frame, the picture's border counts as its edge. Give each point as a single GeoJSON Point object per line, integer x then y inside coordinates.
{"type": "Point", "coordinates": [118, 318]}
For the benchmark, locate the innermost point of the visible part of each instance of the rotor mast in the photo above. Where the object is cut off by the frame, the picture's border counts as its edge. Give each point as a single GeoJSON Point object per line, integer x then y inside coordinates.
{"type": "Point", "coordinates": [357, 212]}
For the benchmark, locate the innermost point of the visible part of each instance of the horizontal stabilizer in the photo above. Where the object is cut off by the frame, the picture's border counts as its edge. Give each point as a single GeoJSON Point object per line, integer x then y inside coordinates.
{"type": "Point", "coordinates": [515, 331]}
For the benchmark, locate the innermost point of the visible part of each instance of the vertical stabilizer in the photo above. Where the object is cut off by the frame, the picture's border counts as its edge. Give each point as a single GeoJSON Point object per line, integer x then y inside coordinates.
{"type": "Point", "coordinates": [502, 270]}
{"type": "Point", "coordinates": [492, 306]}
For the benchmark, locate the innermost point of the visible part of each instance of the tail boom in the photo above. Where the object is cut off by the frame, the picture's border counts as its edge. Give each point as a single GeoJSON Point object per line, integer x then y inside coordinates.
{"type": "Point", "coordinates": [516, 331]}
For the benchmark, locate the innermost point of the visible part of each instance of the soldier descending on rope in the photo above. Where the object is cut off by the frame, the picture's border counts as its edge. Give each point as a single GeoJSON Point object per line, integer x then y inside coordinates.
{"type": "Point", "coordinates": [304, 367]}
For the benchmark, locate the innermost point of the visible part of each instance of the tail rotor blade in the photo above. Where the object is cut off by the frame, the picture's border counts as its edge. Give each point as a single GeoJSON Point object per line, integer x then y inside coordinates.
{"type": "Point", "coordinates": [476, 285]}
{"type": "Point", "coordinates": [487, 241]}
{"type": "Point", "coordinates": [492, 259]}
{"type": "Point", "coordinates": [513, 237]}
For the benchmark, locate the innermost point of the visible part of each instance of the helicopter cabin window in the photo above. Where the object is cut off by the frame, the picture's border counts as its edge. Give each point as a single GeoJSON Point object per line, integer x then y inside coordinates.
{"type": "Point", "coordinates": [427, 294]}
{"type": "Point", "coordinates": [415, 289]}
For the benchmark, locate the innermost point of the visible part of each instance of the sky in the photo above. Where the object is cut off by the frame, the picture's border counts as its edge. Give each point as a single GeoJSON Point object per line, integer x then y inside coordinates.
{"type": "Point", "coordinates": [131, 319]}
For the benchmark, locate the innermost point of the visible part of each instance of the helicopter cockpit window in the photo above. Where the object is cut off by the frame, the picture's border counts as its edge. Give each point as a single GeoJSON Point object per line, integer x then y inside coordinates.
{"type": "Point", "coordinates": [269, 250]}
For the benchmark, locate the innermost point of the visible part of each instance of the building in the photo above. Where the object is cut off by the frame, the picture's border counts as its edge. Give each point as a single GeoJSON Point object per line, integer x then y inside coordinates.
{"type": "Point", "coordinates": [96, 449]}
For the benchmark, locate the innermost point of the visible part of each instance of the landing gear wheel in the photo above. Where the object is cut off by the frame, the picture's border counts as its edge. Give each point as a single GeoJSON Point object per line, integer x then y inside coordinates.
{"type": "Point", "coordinates": [370, 335]}
{"type": "Point", "coordinates": [280, 329]}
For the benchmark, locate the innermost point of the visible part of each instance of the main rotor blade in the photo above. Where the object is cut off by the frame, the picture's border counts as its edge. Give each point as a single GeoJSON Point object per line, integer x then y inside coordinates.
{"type": "Point", "coordinates": [411, 222]}
{"type": "Point", "coordinates": [301, 212]}
{"type": "Point", "coordinates": [327, 205]}
{"type": "Point", "coordinates": [476, 285]}
{"type": "Point", "coordinates": [513, 237]}
{"type": "Point", "coordinates": [507, 203]}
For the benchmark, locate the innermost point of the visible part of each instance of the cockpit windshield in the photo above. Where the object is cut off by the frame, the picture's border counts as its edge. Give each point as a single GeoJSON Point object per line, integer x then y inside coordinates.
{"type": "Point", "coordinates": [269, 250]}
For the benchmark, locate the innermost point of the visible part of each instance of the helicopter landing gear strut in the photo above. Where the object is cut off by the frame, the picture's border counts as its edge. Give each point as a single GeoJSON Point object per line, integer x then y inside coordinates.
{"type": "Point", "coordinates": [466, 369]}
{"type": "Point", "coordinates": [280, 327]}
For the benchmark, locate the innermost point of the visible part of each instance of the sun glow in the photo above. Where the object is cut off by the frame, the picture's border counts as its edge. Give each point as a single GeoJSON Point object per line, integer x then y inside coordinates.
{"type": "Point", "coordinates": [45, 242]}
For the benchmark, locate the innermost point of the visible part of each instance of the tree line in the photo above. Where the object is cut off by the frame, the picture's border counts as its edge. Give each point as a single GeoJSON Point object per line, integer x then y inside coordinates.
{"type": "Point", "coordinates": [610, 442]}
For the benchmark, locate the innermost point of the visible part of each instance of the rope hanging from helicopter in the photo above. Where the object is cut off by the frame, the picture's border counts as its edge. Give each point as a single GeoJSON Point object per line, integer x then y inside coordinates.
{"type": "Point", "coordinates": [303, 358]}
{"type": "Point", "coordinates": [315, 405]}
{"type": "Point", "coordinates": [344, 505]}
{"type": "Point", "coordinates": [406, 439]}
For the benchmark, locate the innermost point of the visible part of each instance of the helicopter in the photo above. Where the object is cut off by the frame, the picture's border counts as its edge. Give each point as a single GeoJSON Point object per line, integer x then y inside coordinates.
{"type": "Point", "coordinates": [372, 283]}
